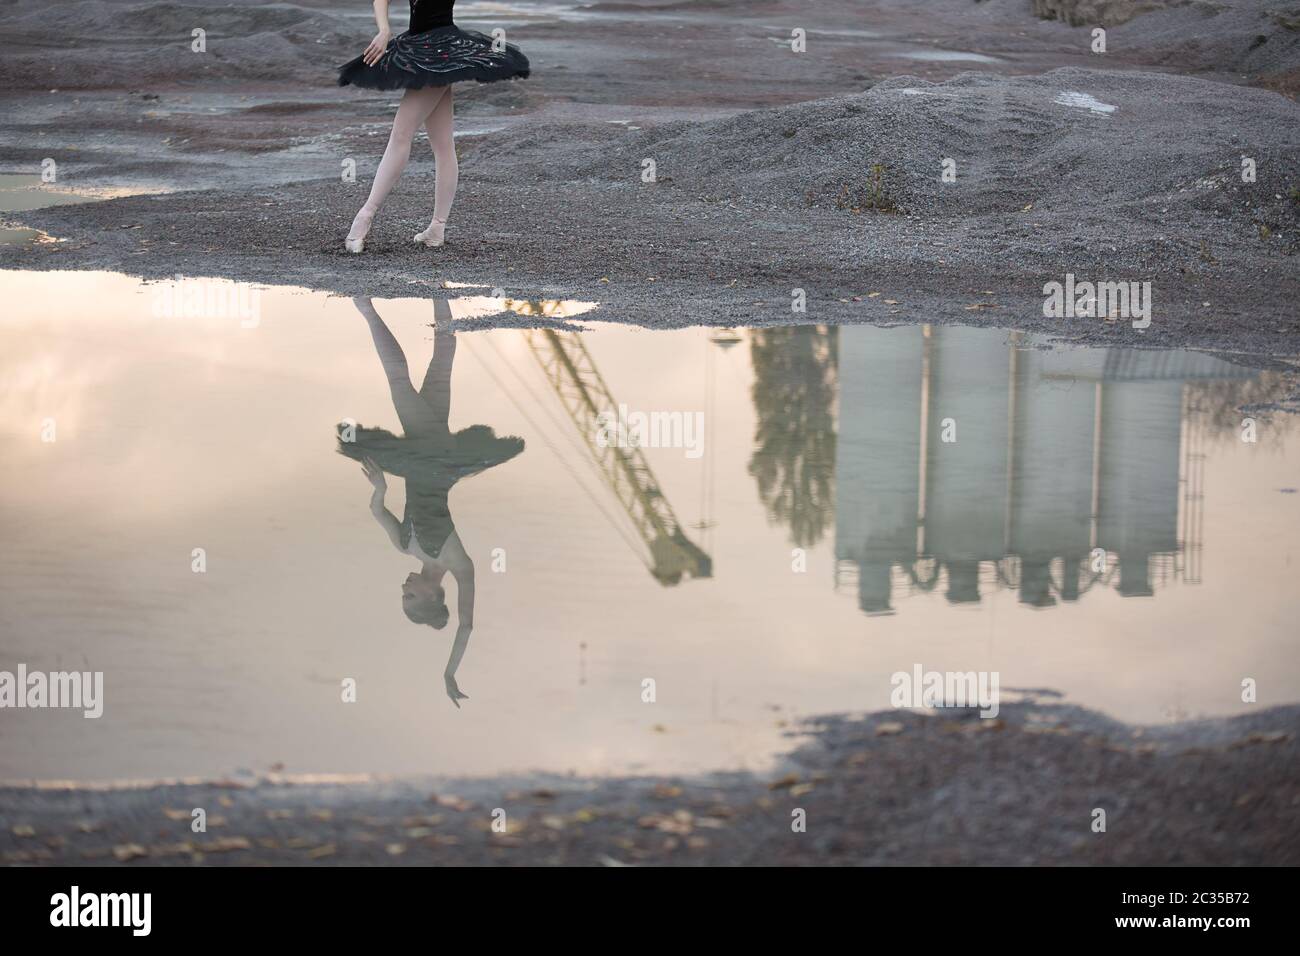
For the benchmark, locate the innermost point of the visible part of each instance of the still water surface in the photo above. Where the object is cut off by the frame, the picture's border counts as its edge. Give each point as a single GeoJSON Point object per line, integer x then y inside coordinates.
{"type": "Point", "coordinates": [817, 536]}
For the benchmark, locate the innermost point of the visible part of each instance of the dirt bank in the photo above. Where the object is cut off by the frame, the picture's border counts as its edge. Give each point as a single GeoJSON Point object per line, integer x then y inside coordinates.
{"type": "Point", "coordinates": [1256, 40]}
{"type": "Point", "coordinates": [884, 789]}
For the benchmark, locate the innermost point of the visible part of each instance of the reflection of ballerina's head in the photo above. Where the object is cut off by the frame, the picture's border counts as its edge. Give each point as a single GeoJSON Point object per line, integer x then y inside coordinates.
{"type": "Point", "coordinates": [431, 465]}
{"type": "Point", "coordinates": [425, 602]}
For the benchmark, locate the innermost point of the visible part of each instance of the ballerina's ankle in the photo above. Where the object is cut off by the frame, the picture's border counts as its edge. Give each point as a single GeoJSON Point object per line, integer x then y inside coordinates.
{"type": "Point", "coordinates": [433, 235]}
{"type": "Point", "coordinates": [361, 225]}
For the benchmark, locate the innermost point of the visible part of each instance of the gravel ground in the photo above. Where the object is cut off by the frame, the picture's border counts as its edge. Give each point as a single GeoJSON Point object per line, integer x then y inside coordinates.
{"type": "Point", "coordinates": [841, 197]}
{"type": "Point", "coordinates": [892, 788]}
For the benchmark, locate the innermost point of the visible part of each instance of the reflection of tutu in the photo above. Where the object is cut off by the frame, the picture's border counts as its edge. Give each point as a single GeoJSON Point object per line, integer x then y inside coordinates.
{"type": "Point", "coordinates": [449, 457]}
{"type": "Point", "coordinates": [436, 57]}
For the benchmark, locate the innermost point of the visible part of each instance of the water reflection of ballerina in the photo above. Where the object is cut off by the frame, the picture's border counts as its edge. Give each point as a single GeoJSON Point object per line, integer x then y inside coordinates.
{"type": "Point", "coordinates": [431, 459]}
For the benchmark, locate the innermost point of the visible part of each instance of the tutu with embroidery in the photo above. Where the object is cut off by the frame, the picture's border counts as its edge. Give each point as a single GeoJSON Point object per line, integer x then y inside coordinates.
{"type": "Point", "coordinates": [436, 52]}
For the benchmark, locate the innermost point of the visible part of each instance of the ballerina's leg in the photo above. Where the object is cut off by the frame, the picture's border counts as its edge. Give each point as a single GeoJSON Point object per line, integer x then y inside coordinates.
{"type": "Point", "coordinates": [414, 109]}
{"type": "Point", "coordinates": [436, 390]}
{"type": "Point", "coordinates": [412, 410]}
{"type": "Point", "coordinates": [440, 126]}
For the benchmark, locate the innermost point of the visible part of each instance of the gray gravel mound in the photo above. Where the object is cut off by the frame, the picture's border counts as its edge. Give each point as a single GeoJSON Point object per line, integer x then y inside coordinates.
{"type": "Point", "coordinates": [1105, 13]}
{"type": "Point", "coordinates": [1081, 143]}
{"type": "Point", "coordinates": [1257, 39]}
{"type": "Point", "coordinates": [87, 44]}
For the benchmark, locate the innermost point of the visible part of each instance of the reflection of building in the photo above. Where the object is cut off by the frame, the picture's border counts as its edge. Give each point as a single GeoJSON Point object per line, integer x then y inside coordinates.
{"type": "Point", "coordinates": [877, 490]}
{"type": "Point", "coordinates": [1052, 454]}
{"type": "Point", "coordinates": [966, 479]}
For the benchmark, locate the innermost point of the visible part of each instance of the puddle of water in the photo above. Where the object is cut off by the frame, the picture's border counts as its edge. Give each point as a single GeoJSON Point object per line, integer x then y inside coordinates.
{"type": "Point", "coordinates": [17, 236]}
{"type": "Point", "coordinates": [23, 192]}
{"type": "Point", "coordinates": [947, 56]}
{"type": "Point", "coordinates": [818, 535]}
{"type": "Point", "coordinates": [1083, 101]}
{"type": "Point", "coordinates": [820, 34]}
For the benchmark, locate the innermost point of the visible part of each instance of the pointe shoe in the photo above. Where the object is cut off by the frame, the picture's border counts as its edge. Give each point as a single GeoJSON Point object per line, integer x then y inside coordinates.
{"type": "Point", "coordinates": [433, 236]}
{"type": "Point", "coordinates": [358, 244]}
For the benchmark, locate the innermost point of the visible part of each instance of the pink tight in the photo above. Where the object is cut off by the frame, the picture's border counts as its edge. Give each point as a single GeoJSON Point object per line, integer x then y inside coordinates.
{"type": "Point", "coordinates": [430, 107]}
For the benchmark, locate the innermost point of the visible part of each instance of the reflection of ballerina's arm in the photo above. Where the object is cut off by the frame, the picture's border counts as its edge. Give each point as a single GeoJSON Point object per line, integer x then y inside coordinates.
{"type": "Point", "coordinates": [387, 520]}
{"type": "Point", "coordinates": [465, 614]}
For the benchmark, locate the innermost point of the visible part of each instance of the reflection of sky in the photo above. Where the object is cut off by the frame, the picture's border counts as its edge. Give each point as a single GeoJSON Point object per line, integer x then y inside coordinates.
{"type": "Point", "coordinates": [183, 433]}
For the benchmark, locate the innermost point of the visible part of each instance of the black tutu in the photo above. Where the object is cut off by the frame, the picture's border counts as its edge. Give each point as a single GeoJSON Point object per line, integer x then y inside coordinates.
{"type": "Point", "coordinates": [436, 57]}
{"type": "Point", "coordinates": [444, 460]}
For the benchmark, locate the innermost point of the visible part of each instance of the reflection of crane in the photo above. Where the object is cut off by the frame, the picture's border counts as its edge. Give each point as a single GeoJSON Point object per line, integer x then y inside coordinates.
{"type": "Point", "coordinates": [571, 372]}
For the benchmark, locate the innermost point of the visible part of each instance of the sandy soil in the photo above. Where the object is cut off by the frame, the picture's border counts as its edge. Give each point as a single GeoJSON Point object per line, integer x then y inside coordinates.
{"type": "Point", "coordinates": [882, 790]}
